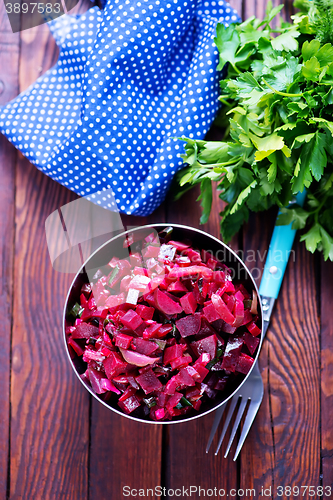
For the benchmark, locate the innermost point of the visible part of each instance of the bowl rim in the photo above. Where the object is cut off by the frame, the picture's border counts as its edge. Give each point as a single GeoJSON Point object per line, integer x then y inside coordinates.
{"type": "Point", "coordinates": [162, 225]}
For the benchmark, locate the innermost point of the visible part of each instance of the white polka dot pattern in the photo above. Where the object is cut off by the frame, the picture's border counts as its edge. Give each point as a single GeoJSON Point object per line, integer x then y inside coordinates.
{"type": "Point", "coordinates": [129, 80]}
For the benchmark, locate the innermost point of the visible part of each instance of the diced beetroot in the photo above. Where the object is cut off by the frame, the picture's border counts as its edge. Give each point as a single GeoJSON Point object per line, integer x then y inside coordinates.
{"type": "Point", "coordinates": [177, 286]}
{"type": "Point", "coordinates": [109, 386]}
{"type": "Point", "coordinates": [202, 373]}
{"type": "Point", "coordinates": [193, 255]}
{"type": "Point", "coordinates": [129, 405]}
{"type": "Point", "coordinates": [181, 362]}
{"type": "Point", "coordinates": [132, 296]}
{"type": "Point", "coordinates": [151, 251]}
{"type": "Point", "coordinates": [173, 401]}
{"type": "Point", "coordinates": [183, 261]}
{"type": "Point", "coordinates": [144, 346]}
{"type": "Point", "coordinates": [124, 283]}
{"type": "Point", "coordinates": [222, 309]}
{"type": "Point", "coordinates": [113, 262]}
{"type": "Point", "coordinates": [251, 342]}
{"type": "Point", "coordinates": [167, 253]}
{"type": "Point", "coordinates": [115, 300]}
{"type": "Point", "coordinates": [225, 327]}
{"type": "Point", "coordinates": [141, 271]}
{"type": "Point", "coordinates": [245, 363]}
{"type": "Point", "coordinates": [137, 359]}
{"type": "Point", "coordinates": [77, 348]}
{"type": "Point", "coordinates": [202, 360]}
{"type": "Point", "coordinates": [171, 386]}
{"type": "Point", "coordinates": [145, 312]}
{"type": "Point", "coordinates": [196, 404]}
{"type": "Point", "coordinates": [184, 378]}
{"type": "Point", "coordinates": [197, 294]}
{"type": "Point", "coordinates": [247, 316]}
{"type": "Point", "coordinates": [231, 354]}
{"type": "Point", "coordinates": [192, 392]}
{"type": "Point", "coordinates": [207, 344]}
{"type": "Point", "coordinates": [123, 340]}
{"type": "Point", "coordinates": [171, 353]}
{"type": "Point", "coordinates": [189, 325]}
{"type": "Point", "coordinates": [179, 246]}
{"type": "Point", "coordinates": [83, 300]}
{"type": "Point", "coordinates": [84, 331]}
{"type": "Point", "coordinates": [69, 329]}
{"type": "Point", "coordinates": [188, 303]}
{"type": "Point", "coordinates": [210, 313]}
{"type": "Point", "coordinates": [212, 263]}
{"type": "Point", "coordinates": [245, 293]}
{"type": "Point", "coordinates": [252, 327]}
{"type": "Point", "coordinates": [149, 297]}
{"type": "Point", "coordinates": [190, 272]}
{"type": "Point", "coordinates": [166, 304]}
{"type": "Point", "coordinates": [131, 319]}
{"type": "Point", "coordinates": [160, 413]}
{"type": "Point", "coordinates": [135, 259]}
{"type": "Point", "coordinates": [95, 378]}
{"type": "Point", "coordinates": [130, 391]}
{"type": "Point", "coordinates": [105, 351]}
{"type": "Point", "coordinates": [164, 330]}
{"type": "Point", "coordinates": [139, 282]}
{"type": "Point", "coordinates": [149, 382]}
{"type": "Point", "coordinates": [100, 312]}
{"type": "Point", "coordinates": [151, 331]}
{"type": "Point", "coordinates": [229, 300]}
{"type": "Point", "coordinates": [114, 365]}
{"type": "Point", "coordinates": [238, 311]}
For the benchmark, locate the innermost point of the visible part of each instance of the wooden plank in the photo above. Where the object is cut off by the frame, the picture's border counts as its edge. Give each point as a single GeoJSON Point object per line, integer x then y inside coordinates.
{"type": "Point", "coordinates": [289, 418]}
{"type": "Point", "coordinates": [257, 455]}
{"type": "Point", "coordinates": [294, 375]}
{"type": "Point", "coordinates": [186, 462]}
{"type": "Point", "coordinates": [9, 54]}
{"type": "Point", "coordinates": [127, 453]}
{"type": "Point", "coordinates": [326, 373]}
{"type": "Point", "coordinates": [50, 410]}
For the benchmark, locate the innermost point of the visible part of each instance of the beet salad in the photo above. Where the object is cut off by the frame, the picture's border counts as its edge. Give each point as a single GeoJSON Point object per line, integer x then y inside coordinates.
{"type": "Point", "coordinates": [163, 331]}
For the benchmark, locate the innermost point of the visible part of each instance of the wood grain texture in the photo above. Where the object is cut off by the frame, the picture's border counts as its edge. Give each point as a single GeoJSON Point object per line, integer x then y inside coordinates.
{"type": "Point", "coordinates": [124, 452]}
{"type": "Point", "coordinates": [186, 461]}
{"type": "Point", "coordinates": [9, 57]}
{"type": "Point", "coordinates": [294, 356]}
{"type": "Point", "coordinates": [257, 456]}
{"type": "Point", "coordinates": [50, 410]}
{"type": "Point", "coordinates": [326, 372]}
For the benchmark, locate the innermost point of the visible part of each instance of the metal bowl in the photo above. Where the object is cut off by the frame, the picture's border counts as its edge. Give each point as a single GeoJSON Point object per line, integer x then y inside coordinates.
{"type": "Point", "coordinates": [114, 247]}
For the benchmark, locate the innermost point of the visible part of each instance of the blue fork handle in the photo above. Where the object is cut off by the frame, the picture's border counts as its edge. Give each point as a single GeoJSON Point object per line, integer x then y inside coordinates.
{"type": "Point", "coordinates": [278, 256]}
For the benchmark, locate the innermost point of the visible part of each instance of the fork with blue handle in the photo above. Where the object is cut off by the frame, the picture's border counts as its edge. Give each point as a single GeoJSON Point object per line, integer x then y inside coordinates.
{"type": "Point", "coordinates": [252, 390]}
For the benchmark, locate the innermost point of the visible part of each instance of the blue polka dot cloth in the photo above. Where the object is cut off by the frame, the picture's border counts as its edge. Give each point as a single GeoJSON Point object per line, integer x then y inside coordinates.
{"type": "Point", "coordinates": [129, 80]}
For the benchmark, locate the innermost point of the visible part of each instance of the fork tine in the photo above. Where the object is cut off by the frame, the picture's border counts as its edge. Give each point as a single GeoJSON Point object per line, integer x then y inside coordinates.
{"type": "Point", "coordinates": [251, 413]}
{"type": "Point", "coordinates": [217, 419]}
{"type": "Point", "coordinates": [236, 424]}
{"type": "Point", "coordinates": [227, 421]}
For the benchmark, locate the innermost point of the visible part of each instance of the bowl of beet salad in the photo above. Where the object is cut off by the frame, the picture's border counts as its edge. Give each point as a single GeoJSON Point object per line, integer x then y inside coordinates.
{"type": "Point", "coordinates": [163, 323]}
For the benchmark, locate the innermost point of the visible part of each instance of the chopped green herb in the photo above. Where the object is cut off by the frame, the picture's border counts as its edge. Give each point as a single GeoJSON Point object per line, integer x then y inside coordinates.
{"type": "Point", "coordinates": [278, 108]}
{"type": "Point", "coordinates": [150, 402]}
{"type": "Point", "coordinates": [76, 310]}
{"type": "Point", "coordinates": [183, 402]}
{"type": "Point", "coordinates": [113, 275]}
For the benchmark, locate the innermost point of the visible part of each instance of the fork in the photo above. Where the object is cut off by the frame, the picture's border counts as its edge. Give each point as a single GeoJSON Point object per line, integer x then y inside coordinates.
{"type": "Point", "coordinates": [253, 388]}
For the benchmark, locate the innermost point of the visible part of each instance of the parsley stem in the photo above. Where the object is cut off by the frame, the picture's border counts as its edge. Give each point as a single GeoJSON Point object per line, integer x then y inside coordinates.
{"type": "Point", "coordinates": [285, 94]}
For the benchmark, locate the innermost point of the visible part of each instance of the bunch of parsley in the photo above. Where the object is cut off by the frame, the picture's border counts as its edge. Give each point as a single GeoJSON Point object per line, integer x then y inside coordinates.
{"type": "Point", "coordinates": [278, 112]}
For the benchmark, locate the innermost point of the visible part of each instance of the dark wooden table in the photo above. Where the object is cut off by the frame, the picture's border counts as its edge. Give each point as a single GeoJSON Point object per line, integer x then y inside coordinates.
{"type": "Point", "coordinates": [59, 443]}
